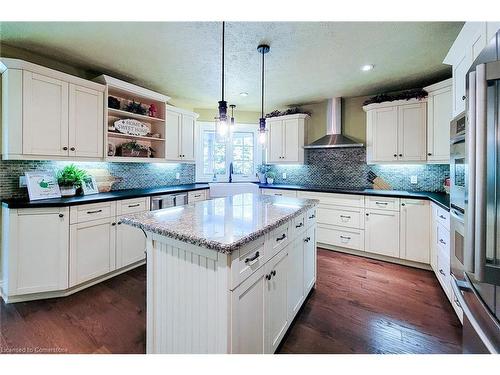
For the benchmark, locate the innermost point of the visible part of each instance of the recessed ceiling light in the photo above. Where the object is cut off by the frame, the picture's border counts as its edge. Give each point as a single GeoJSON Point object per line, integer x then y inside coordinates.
{"type": "Point", "coordinates": [243, 94]}
{"type": "Point", "coordinates": [367, 67]}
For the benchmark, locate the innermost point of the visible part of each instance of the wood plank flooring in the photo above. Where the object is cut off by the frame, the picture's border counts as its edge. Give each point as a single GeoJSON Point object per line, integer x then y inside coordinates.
{"type": "Point", "coordinates": [359, 306]}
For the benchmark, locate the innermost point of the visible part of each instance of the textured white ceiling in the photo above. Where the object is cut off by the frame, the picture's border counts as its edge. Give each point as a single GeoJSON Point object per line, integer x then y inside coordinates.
{"type": "Point", "coordinates": [308, 61]}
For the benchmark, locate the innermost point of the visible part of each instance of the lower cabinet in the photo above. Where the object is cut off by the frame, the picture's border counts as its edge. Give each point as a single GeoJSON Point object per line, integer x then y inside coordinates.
{"type": "Point", "coordinates": [296, 275]}
{"type": "Point", "coordinates": [92, 250]}
{"type": "Point", "coordinates": [415, 217]}
{"type": "Point", "coordinates": [130, 244]}
{"type": "Point", "coordinates": [309, 259]}
{"type": "Point", "coordinates": [382, 232]}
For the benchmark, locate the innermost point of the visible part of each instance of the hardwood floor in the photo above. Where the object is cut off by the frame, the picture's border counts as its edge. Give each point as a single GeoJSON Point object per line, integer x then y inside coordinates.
{"type": "Point", "coordinates": [362, 305]}
{"type": "Point", "coordinates": [359, 306]}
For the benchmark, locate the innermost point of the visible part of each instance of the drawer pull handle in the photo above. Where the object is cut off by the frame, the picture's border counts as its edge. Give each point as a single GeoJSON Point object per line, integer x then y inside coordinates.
{"type": "Point", "coordinates": [61, 215]}
{"type": "Point", "coordinates": [283, 236]}
{"type": "Point", "coordinates": [197, 195]}
{"type": "Point", "coordinates": [442, 272]}
{"type": "Point", "coordinates": [345, 218]}
{"type": "Point", "coordinates": [442, 217]}
{"type": "Point", "coordinates": [345, 238]}
{"type": "Point", "coordinates": [134, 205]}
{"type": "Point", "coordinates": [382, 203]}
{"type": "Point", "coordinates": [312, 216]}
{"type": "Point", "coordinates": [443, 242]}
{"type": "Point", "coordinates": [300, 225]}
{"type": "Point", "coordinates": [94, 212]}
{"type": "Point", "coordinates": [457, 302]}
{"type": "Point", "coordinates": [251, 259]}
{"type": "Point", "coordinates": [307, 239]}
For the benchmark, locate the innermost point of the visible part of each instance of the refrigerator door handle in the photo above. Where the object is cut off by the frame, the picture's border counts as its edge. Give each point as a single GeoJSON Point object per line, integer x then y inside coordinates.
{"type": "Point", "coordinates": [471, 175]}
{"type": "Point", "coordinates": [458, 287]}
{"type": "Point", "coordinates": [481, 170]}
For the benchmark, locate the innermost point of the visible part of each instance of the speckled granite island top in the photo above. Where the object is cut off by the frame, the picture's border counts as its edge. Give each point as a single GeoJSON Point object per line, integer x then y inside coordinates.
{"type": "Point", "coordinates": [222, 224]}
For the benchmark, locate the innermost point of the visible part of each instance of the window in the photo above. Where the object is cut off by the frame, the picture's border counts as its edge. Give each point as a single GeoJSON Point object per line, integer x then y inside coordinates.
{"type": "Point", "coordinates": [214, 157]}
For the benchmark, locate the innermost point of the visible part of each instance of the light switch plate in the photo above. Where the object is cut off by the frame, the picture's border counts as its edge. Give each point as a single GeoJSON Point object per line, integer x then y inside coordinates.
{"type": "Point", "coordinates": [22, 181]}
{"type": "Point", "coordinates": [413, 179]}
{"type": "Point", "coordinates": [284, 175]}
{"type": "Point", "coordinates": [177, 176]}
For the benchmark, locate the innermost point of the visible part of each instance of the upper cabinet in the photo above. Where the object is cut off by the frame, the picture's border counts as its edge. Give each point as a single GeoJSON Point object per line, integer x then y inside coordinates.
{"type": "Point", "coordinates": [286, 138]}
{"type": "Point", "coordinates": [47, 114]}
{"type": "Point", "coordinates": [180, 134]}
{"type": "Point", "coordinates": [396, 131]}
{"type": "Point", "coordinates": [439, 115]}
{"type": "Point", "coordinates": [471, 40]}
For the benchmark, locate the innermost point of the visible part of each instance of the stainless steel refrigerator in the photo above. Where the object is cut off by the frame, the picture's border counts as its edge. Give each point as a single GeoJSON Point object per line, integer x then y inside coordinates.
{"type": "Point", "coordinates": [475, 209]}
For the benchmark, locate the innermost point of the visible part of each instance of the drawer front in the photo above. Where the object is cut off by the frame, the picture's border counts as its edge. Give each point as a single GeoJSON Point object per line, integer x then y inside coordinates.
{"type": "Point", "coordinates": [382, 203]}
{"type": "Point", "coordinates": [88, 212]}
{"type": "Point", "coordinates": [342, 237]}
{"type": "Point", "coordinates": [130, 206]}
{"type": "Point", "coordinates": [443, 217]}
{"type": "Point", "coordinates": [443, 271]}
{"type": "Point", "coordinates": [280, 192]}
{"type": "Point", "coordinates": [341, 216]}
{"type": "Point", "coordinates": [350, 200]}
{"type": "Point", "coordinates": [196, 196]}
{"type": "Point", "coordinates": [298, 225]}
{"type": "Point", "coordinates": [311, 217]}
{"type": "Point", "coordinates": [246, 261]}
{"type": "Point", "coordinates": [443, 239]}
{"type": "Point", "coordinates": [278, 239]}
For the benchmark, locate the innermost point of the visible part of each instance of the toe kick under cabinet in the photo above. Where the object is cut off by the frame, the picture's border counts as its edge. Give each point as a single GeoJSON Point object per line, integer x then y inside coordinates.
{"type": "Point", "coordinates": [56, 251]}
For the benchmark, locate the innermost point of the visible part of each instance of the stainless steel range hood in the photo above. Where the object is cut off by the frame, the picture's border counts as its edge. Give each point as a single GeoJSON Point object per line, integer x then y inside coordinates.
{"type": "Point", "coordinates": [334, 137]}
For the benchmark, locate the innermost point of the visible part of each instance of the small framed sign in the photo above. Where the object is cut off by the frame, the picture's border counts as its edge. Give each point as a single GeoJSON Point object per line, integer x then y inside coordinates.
{"type": "Point", "coordinates": [90, 186]}
{"type": "Point", "coordinates": [42, 185]}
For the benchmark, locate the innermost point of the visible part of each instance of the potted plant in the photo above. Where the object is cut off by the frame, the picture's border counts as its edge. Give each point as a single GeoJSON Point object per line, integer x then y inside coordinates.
{"type": "Point", "coordinates": [70, 178]}
{"type": "Point", "coordinates": [270, 177]}
{"type": "Point", "coordinates": [261, 173]}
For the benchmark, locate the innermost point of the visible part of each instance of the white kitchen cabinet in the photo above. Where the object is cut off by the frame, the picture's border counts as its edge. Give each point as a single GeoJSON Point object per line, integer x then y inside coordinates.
{"type": "Point", "coordinates": [86, 118]}
{"type": "Point", "coordinates": [51, 115]}
{"type": "Point", "coordinates": [35, 250]}
{"type": "Point", "coordinates": [439, 115]}
{"type": "Point", "coordinates": [415, 231]}
{"type": "Point", "coordinates": [130, 244]}
{"type": "Point", "coordinates": [280, 192]}
{"type": "Point", "coordinates": [197, 195]}
{"type": "Point", "coordinates": [45, 115]}
{"type": "Point", "coordinates": [309, 260]}
{"type": "Point", "coordinates": [382, 232]}
{"type": "Point", "coordinates": [286, 138]}
{"type": "Point", "coordinates": [180, 134]}
{"type": "Point", "coordinates": [396, 131]}
{"type": "Point", "coordinates": [433, 247]}
{"type": "Point", "coordinates": [295, 282]}
{"type": "Point", "coordinates": [92, 249]}
{"type": "Point", "coordinates": [276, 300]}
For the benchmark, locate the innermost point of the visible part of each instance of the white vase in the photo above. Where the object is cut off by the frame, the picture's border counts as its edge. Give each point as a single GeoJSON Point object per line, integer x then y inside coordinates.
{"type": "Point", "coordinates": [270, 181]}
{"type": "Point", "coordinates": [68, 191]}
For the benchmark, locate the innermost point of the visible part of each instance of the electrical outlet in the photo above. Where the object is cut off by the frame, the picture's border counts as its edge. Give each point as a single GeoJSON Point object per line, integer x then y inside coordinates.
{"type": "Point", "coordinates": [284, 175]}
{"type": "Point", "coordinates": [413, 179]}
{"type": "Point", "coordinates": [22, 181]}
{"type": "Point", "coordinates": [177, 176]}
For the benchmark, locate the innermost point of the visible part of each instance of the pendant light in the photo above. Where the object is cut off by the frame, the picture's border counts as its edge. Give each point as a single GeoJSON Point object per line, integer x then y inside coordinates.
{"type": "Point", "coordinates": [221, 120]}
{"type": "Point", "coordinates": [232, 122]}
{"type": "Point", "coordinates": [263, 49]}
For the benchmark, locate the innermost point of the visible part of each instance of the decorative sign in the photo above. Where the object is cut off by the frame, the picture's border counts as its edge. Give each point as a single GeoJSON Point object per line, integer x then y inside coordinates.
{"type": "Point", "coordinates": [90, 186]}
{"type": "Point", "coordinates": [131, 127]}
{"type": "Point", "coordinates": [42, 185]}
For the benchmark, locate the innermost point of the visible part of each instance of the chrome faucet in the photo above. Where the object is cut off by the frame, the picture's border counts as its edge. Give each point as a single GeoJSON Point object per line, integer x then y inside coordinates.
{"type": "Point", "coordinates": [231, 172]}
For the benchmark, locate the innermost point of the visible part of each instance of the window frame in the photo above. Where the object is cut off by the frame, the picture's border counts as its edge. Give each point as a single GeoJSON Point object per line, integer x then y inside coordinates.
{"type": "Point", "coordinates": [244, 128]}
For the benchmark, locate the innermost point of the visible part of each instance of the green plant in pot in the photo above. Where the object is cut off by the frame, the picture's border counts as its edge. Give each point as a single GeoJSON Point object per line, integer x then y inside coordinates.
{"type": "Point", "coordinates": [71, 178]}
{"type": "Point", "coordinates": [270, 177]}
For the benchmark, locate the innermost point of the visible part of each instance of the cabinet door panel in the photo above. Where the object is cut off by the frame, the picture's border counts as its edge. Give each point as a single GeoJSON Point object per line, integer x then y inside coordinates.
{"type": "Point", "coordinates": [439, 115]}
{"type": "Point", "coordinates": [248, 315]}
{"type": "Point", "coordinates": [276, 300]}
{"type": "Point", "coordinates": [86, 122]}
{"type": "Point", "coordinates": [310, 260]}
{"type": "Point", "coordinates": [382, 232]}
{"type": "Point", "coordinates": [412, 132]}
{"type": "Point", "coordinates": [45, 115]}
{"type": "Point", "coordinates": [295, 282]}
{"type": "Point", "coordinates": [174, 120]}
{"type": "Point", "coordinates": [275, 142]}
{"type": "Point", "coordinates": [415, 236]}
{"type": "Point", "coordinates": [291, 147]}
{"type": "Point", "coordinates": [187, 137]}
{"type": "Point", "coordinates": [130, 245]}
{"type": "Point", "coordinates": [39, 258]}
{"type": "Point", "coordinates": [385, 134]}
{"type": "Point", "coordinates": [92, 250]}
{"type": "Point", "coordinates": [459, 72]}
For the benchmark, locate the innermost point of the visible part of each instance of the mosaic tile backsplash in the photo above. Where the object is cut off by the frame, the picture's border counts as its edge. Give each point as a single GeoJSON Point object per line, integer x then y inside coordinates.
{"type": "Point", "coordinates": [347, 169]}
{"type": "Point", "coordinates": [135, 175]}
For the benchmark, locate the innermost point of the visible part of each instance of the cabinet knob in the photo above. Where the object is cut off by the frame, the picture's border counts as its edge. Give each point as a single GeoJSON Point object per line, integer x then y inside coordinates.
{"type": "Point", "coordinates": [429, 154]}
{"type": "Point", "coordinates": [464, 97]}
{"type": "Point", "coordinates": [367, 214]}
{"type": "Point", "coordinates": [113, 224]}
{"type": "Point", "coordinates": [403, 204]}
{"type": "Point", "coordinates": [72, 149]}
{"type": "Point", "coordinates": [395, 155]}
{"type": "Point", "coordinates": [273, 273]}
{"type": "Point", "coordinates": [61, 215]}
{"type": "Point", "coordinates": [268, 277]}
{"type": "Point", "coordinates": [400, 155]}
{"type": "Point", "coordinates": [65, 148]}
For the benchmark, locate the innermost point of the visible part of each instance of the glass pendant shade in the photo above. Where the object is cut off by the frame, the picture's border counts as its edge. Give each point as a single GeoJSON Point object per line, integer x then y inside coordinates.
{"type": "Point", "coordinates": [262, 130]}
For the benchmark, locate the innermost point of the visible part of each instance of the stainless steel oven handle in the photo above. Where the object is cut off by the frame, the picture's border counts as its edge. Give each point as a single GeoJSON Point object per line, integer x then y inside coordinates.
{"type": "Point", "coordinates": [471, 176]}
{"type": "Point", "coordinates": [458, 287]}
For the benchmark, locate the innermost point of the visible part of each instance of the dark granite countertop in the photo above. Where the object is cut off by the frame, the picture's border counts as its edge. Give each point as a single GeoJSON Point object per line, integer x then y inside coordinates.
{"type": "Point", "coordinates": [441, 199]}
{"type": "Point", "coordinates": [101, 197]}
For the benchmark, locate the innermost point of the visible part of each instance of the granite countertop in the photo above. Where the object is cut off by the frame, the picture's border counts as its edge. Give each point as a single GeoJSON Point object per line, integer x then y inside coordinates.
{"type": "Point", "coordinates": [101, 197]}
{"type": "Point", "coordinates": [441, 199]}
{"type": "Point", "coordinates": [222, 224]}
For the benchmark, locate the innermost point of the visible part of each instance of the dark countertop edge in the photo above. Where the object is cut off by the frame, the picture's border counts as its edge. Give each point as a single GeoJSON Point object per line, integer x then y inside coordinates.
{"type": "Point", "coordinates": [441, 199]}
{"type": "Point", "coordinates": [102, 197]}
{"type": "Point", "coordinates": [223, 248]}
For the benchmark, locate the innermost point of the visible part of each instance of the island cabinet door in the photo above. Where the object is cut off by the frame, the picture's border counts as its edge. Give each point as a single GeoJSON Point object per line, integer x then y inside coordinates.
{"type": "Point", "coordinates": [276, 300]}
{"type": "Point", "coordinates": [92, 250]}
{"type": "Point", "coordinates": [309, 259]}
{"type": "Point", "coordinates": [295, 284]}
{"type": "Point", "coordinates": [130, 244]}
{"type": "Point", "coordinates": [248, 315]}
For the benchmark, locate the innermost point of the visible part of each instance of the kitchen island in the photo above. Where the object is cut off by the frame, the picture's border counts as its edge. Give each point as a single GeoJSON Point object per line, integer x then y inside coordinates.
{"type": "Point", "coordinates": [227, 275]}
